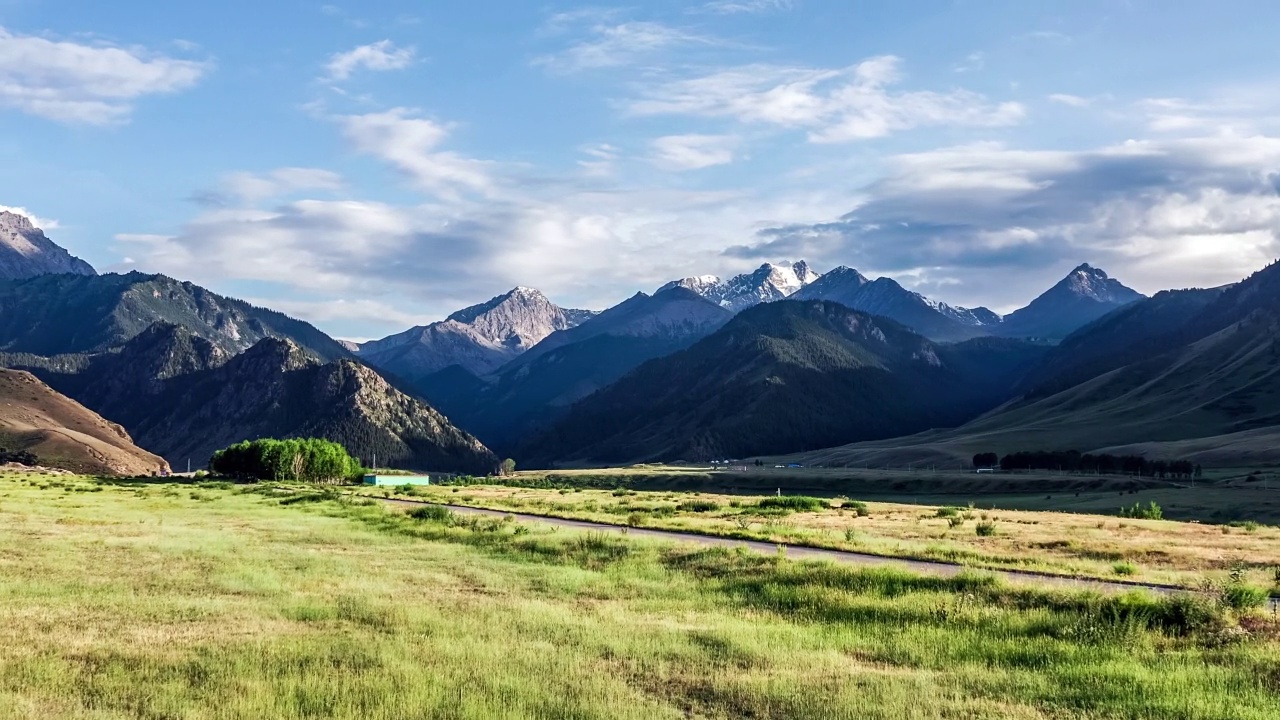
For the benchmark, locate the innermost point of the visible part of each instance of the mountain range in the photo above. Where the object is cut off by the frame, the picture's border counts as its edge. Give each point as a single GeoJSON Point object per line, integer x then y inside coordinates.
{"type": "Point", "coordinates": [838, 367]}
{"type": "Point", "coordinates": [536, 388]}
{"type": "Point", "coordinates": [183, 397]}
{"type": "Point", "coordinates": [74, 313]}
{"type": "Point", "coordinates": [1189, 372]}
{"type": "Point", "coordinates": [784, 377]}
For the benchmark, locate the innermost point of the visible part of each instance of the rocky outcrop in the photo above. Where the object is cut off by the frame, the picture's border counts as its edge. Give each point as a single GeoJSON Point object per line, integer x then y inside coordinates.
{"type": "Point", "coordinates": [26, 252]}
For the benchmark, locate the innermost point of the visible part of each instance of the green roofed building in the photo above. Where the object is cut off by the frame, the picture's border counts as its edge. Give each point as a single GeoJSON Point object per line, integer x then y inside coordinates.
{"type": "Point", "coordinates": [396, 480]}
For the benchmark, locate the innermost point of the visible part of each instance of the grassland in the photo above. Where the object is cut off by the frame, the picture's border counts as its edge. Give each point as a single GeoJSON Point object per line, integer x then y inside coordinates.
{"type": "Point", "coordinates": [153, 600]}
{"type": "Point", "coordinates": [1159, 552]}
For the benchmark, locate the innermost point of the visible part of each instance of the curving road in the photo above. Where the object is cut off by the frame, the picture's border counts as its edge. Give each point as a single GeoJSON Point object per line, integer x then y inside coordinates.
{"type": "Point", "coordinates": [800, 552]}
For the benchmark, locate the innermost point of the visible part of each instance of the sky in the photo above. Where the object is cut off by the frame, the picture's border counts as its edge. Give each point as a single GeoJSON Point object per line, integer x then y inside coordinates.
{"type": "Point", "coordinates": [375, 165]}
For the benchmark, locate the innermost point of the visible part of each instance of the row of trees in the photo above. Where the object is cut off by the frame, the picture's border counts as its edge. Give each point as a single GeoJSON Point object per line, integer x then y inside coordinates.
{"type": "Point", "coordinates": [1102, 464]}
{"type": "Point", "coordinates": [305, 459]}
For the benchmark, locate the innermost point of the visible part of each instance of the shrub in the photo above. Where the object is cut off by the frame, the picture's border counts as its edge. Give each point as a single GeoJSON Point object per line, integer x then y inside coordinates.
{"type": "Point", "coordinates": [858, 507]}
{"type": "Point", "coordinates": [948, 512]}
{"type": "Point", "coordinates": [433, 513]}
{"type": "Point", "coordinates": [1239, 596]}
{"type": "Point", "coordinates": [698, 506]}
{"type": "Point", "coordinates": [794, 503]}
{"type": "Point", "coordinates": [1124, 568]}
{"type": "Point", "coordinates": [954, 521]}
{"type": "Point", "coordinates": [985, 529]}
{"type": "Point", "coordinates": [636, 519]}
{"type": "Point", "coordinates": [1138, 512]}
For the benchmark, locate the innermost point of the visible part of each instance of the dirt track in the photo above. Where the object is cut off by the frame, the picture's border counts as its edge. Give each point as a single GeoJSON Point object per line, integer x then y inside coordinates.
{"type": "Point", "coordinates": [799, 552]}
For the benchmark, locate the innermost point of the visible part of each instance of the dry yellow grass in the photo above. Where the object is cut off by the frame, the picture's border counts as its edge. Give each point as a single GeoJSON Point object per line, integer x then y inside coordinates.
{"type": "Point", "coordinates": [1163, 552]}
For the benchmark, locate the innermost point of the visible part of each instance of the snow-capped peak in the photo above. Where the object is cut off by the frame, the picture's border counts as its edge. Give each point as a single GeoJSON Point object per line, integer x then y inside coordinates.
{"type": "Point", "coordinates": [769, 282]}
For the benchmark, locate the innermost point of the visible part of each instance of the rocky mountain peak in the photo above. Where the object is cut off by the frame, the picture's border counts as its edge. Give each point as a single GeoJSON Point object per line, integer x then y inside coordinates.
{"type": "Point", "coordinates": [767, 283]}
{"type": "Point", "coordinates": [276, 354]}
{"type": "Point", "coordinates": [480, 338]}
{"type": "Point", "coordinates": [25, 251]}
{"type": "Point", "coordinates": [1084, 295]}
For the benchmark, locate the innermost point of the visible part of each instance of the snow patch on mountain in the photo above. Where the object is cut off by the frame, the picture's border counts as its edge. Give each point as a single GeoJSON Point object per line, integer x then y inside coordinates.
{"type": "Point", "coordinates": [767, 283]}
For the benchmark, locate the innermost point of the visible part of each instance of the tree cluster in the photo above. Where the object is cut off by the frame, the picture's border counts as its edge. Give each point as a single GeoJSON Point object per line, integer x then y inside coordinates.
{"type": "Point", "coordinates": [986, 460]}
{"type": "Point", "coordinates": [21, 457]}
{"type": "Point", "coordinates": [1072, 461]}
{"type": "Point", "coordinates": [306, 459]}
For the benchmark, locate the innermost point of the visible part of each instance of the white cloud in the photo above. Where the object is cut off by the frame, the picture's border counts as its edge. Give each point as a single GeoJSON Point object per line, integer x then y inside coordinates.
{"type": "Point", "coordinates": [1070, 100]}
{"type": "Point", "coordinates": [42, 223]}
{"type": "Point", "coordinates": [602, 162]}
{"type": "Point", "coordinates": [363, 311]}
{"type": "Point", "coordinates": [583, 247]}
{"type": "Point", "coordinates": [746, 7]}
{"type": "Point", "coordinates": [379, 57]}
{"type": "Point", "coordinates": [251, 187]}
{"type": "Point", "coordinates": [835, 105]}
{"type": "Point", "coordinates": [693, 152]}
{"type": "Point", "coordinates": [90, 84]}
{"type": "Point", "coordinates": [612, 45]}
{"type": "Point", "coordinates": [1195, 211]}
{"type": "Point", "coordinates": [410, 144]}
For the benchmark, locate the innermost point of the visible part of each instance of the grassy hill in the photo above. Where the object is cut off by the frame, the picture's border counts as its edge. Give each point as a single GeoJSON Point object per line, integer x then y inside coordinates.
{"type": "Point", "coordinates": [1190, 365]}
{"type": "Point", "coordinates": [64, 434]}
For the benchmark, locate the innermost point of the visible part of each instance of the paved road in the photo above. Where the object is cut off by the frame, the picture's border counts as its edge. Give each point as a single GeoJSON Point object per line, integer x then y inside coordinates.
{"type": "Point", "coordinates": [799, 552]}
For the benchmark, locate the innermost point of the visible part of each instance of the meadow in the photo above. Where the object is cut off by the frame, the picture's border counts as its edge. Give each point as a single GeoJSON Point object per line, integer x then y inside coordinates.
{"type": "Point", "coordinates": [147, 599]}
{"type": "Point", "coordinates": [1183, 554]}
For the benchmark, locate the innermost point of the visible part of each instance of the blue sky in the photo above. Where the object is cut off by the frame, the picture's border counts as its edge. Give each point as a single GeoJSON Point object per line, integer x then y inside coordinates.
{"type": "Point", "coordinates": [373, 165]}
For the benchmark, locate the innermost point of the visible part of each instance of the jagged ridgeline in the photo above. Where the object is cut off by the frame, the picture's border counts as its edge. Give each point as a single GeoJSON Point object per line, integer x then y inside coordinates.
{"type": "Point", "coordinates": [64, 314]}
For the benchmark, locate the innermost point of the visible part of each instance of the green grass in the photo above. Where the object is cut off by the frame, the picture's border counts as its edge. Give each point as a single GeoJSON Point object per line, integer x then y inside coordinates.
{"type": "Point", "coordinates": [139, 602]}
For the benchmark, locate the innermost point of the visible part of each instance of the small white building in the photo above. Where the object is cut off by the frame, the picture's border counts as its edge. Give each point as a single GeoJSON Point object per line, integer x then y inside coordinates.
{"type": "Point", "coordinates": [397, 480]}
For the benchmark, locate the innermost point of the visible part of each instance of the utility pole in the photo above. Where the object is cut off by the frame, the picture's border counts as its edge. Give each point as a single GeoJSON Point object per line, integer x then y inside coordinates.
{"type": "Point", "coordinates": [188, 466]}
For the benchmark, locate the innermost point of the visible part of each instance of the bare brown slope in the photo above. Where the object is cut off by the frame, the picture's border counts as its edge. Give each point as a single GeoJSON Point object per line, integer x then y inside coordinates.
{"type": "Point", "coordinates": [65, 434]}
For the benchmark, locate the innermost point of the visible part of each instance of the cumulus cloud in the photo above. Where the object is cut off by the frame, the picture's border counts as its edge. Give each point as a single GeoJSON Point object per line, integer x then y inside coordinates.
{"type": "Point", "coordinates": [1190, 211]}
{"type": "Point", "coordinates": [378, 57]}
{"type": "Point", "coordinates": [613, 44]}
{"type": "Point", "coordinates": [410, 144]}
{"type": "Point", "coordinates": [585, 248]}
{"type": "Point", "coordinates": [693, 152]}
{"type": "Point", "coordinates": [89, 84]}
{"type": "Point", "coordinates": [834, 105]}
